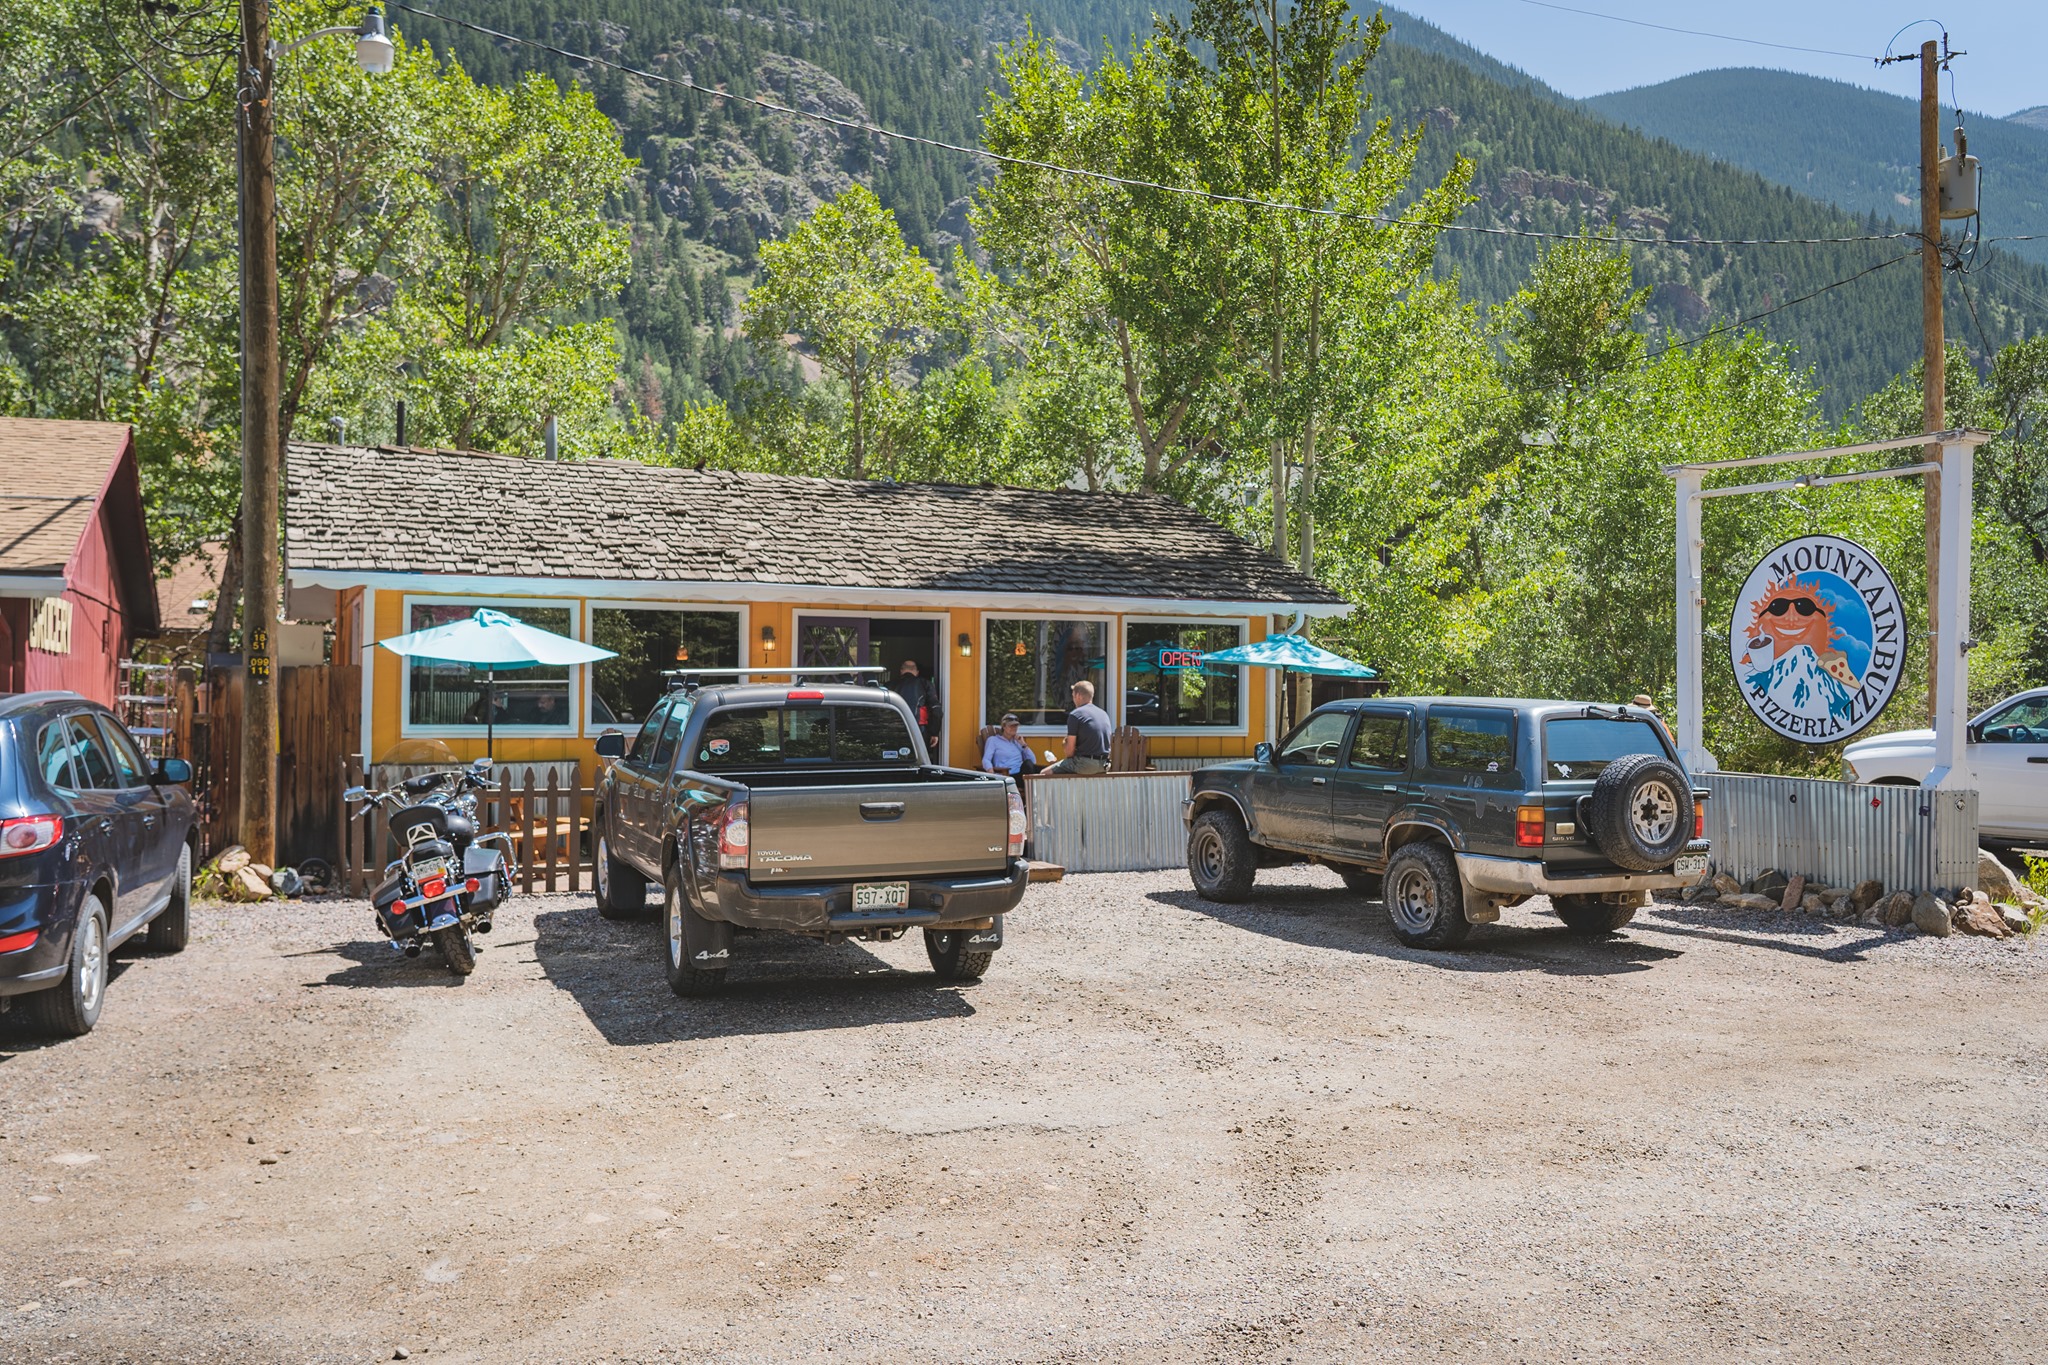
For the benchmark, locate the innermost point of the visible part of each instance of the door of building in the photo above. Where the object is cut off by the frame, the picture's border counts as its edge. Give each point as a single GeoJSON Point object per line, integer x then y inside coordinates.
{"type": "Point", "coordinates": [832, 642]}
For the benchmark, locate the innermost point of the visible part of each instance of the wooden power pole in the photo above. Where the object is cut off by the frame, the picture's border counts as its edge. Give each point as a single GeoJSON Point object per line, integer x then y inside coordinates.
{"type": "Point", "coordinates": [254, 127]}
{"type": "Point", "coordinates": [1932, 396]}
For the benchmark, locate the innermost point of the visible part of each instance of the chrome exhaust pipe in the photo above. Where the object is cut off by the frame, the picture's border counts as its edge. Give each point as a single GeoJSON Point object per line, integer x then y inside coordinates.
{"type": "Point", "coordinates": [412, 949]}
{"type": "Point", "coordinates": [483, 926]}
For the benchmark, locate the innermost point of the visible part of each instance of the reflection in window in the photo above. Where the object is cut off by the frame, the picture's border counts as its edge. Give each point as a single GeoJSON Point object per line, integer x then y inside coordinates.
{"type": "Point", "coordinates": [1381, 742]}
{"type": "Point", "coordinates": [1472, 741]}
{"type": "Point", "coordinates": [1167, 684]}
{"type": "Point", "coordinates": [1033, 666]}
{"type": "Point", "coordinates": [453, 694]}
{"type": "Point", "coordinates": [648, 643]}
{"type": "Point", "coordinates": [1319, 741]}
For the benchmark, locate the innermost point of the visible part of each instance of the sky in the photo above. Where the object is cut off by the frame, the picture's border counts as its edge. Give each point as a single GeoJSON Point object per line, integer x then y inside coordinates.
{"type": "Point", "coordinates": [2006, 68]}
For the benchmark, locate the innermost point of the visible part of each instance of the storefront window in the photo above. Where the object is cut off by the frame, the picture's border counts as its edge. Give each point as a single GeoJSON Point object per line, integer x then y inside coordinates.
{"type": "Point", "coordinates": [1033, 665]}
{"type": "Point", "coordinates": [1166, 683]}
{"type": "Point", "coordinates": [649, 643]}
{"type": "Point", "coordinates": [450, 694]}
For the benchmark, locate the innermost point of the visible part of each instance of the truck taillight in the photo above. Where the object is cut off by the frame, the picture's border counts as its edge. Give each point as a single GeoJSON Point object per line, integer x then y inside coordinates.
{"type": "Point", "coordinates": [1699, 820]}
{"type": "Point", "coordinates": [1528, 826]}
{"type": "Point", "coordinates": [1019, 824]}
{"type": "Point", "coordinates": [733, 837]}
{"type": "Point", "coordinates": [29, 834]}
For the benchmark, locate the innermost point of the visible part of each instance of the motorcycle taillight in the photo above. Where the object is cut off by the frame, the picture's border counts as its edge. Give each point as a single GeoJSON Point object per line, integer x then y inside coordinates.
{"type": "Point", "coordinates": [733, 837]}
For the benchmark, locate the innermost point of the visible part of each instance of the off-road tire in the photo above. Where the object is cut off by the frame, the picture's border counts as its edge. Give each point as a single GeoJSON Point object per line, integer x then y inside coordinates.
{"type": "Point", "coordinates": [70, 1008]}
{"type": "Point", "coordinates": [1425, 897]}
{"type": "Point", "coordinates": [947, 948]}
{"type": "Point", "coordinates": [1222, 860]}
{"type": "Point", "coordinates": [456, 949]}
{"type": "Point", "coordinates": [1360, 882]}
{"type": "Point", "coordinates": [621, 890]}
{"type": "Point", "coordinates": [685, 980]}
{"type": "Point", "coordinates": [1590, 916]}
{"type": "Point", "coordinates": [1641, 813]}
{"type": "Point", "coordinates": [172, 927]}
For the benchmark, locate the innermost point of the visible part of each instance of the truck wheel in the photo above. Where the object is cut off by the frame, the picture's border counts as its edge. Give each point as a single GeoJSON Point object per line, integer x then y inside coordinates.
{"type": "Point", "coordinates": [1426, 897]}
{"type": "Point", "coordinates": [947, 948]}
{"type": "Point", "coordinates": [621, 891]}
{"type": "Point", "coordinates": [1361, 882]}
{"type": "Point", "coordinates": [70, 1008]}
{"type": "Point", "coordinates": [1590, 916]}
{"type": "Point", "coordinates": [684, 979]}
{"type": "Point", "coordinates": [172, 927]}
{"type": "Point", "coordinates": [1642, 815]}
{"type": "Point", "coordinates": [1221, 857]}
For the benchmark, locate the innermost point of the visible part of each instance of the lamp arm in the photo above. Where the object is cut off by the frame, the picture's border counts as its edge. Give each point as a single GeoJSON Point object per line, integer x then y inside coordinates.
{"type": "Point", "coordinates": [279, 50]}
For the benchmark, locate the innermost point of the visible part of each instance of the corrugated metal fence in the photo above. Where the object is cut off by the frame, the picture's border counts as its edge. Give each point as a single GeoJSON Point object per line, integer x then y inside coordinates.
{"type": "Point", "coordinates": [1842, 833]}
{"type": "Point", "coordinates": [1119, 822]}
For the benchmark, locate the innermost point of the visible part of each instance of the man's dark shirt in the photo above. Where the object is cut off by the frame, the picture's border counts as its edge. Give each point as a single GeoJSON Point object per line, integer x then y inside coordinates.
{"type": "Point", "coordinates": [913, 689]}
{"type": "Point", "coordinates": [1089, 725]}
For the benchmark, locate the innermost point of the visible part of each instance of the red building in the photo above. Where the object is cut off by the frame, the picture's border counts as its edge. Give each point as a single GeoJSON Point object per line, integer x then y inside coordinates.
{"type": "Point", "coordinates": [76, 588]}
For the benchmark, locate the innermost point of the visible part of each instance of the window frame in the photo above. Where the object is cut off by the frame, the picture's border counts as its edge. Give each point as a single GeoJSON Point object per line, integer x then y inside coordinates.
{"type": "Point", "coordinates": [579, 630]}
{"type": "Point", "coordinates": [1244, 692]}
{"type": "Point", "coordinates": [121, 746]}
{"type": "Point", "coordinates": [1113, 672]}
{"type": "Point", "coordinates": [589, 728]}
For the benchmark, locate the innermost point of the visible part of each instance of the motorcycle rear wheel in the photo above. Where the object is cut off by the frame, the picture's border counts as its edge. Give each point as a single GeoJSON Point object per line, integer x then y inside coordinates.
{"type": "Point", "coordinates": [456, 949]}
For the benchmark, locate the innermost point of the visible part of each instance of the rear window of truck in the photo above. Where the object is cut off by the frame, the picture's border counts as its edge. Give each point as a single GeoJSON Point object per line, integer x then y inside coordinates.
{"type": "Point", "coordinates": [1576, 747]}
{"type": "Point", "coordinates": [803, 736]}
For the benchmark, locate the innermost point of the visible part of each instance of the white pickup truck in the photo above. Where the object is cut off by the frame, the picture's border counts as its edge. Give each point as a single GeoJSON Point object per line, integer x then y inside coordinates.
{"type": "Point", "coordinates": [2008, 757]}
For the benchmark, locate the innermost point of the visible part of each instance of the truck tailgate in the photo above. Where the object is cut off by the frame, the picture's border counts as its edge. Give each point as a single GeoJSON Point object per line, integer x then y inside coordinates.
{"type": "Point", "coordinates": [893, 831]}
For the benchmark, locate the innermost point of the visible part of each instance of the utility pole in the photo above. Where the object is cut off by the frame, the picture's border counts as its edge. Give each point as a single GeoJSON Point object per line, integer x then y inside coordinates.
{"type": "Point", "coordinates": [254, 127]}
{"type": "Point", "coordinates": [1933, 398]}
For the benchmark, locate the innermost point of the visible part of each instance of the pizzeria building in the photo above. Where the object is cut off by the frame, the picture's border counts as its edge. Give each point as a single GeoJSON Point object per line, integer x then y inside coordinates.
{"type": "Point", "coordinates": [1004, 597]}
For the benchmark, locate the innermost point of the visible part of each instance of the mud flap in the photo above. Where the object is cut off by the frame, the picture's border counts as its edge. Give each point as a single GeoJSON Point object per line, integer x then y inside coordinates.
{"type": "Point", "coordinates": [707, 943]}
{"type": "Point", "coordinates": [1481, 908]}
{"type": "Point", "coordinates": [982, 940]}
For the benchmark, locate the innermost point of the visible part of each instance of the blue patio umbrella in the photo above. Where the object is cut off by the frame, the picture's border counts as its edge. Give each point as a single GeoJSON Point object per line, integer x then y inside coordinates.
{"type": "Point", "coordinates": [493, 641]}
{"type": "Point", "coordinates": [1293, 652]}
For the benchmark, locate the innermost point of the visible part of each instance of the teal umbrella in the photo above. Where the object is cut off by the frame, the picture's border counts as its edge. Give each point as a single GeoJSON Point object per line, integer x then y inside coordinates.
{"type": "Point", "coordinates": [493, 641]}
{"type": "Point", "coordinates": [1291, 651]}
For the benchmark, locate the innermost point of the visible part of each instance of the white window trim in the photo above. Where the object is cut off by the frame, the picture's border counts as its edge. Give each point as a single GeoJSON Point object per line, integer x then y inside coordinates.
{"type": "Point", "coordinates": [1110, 636]}
{"type": "Point", "coordinates": [1244, 708]}
{"type": "Point", "coordinates": [589, 728]}
{"type": "Point", "coordinates": [578, 630]}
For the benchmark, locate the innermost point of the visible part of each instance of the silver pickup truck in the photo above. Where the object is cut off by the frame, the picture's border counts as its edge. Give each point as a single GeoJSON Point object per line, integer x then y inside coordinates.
{"type": "Point", "coordinates": [809, 808]}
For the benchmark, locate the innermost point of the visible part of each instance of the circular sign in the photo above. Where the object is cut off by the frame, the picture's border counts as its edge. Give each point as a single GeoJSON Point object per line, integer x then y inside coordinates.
{"type": "Point", "coordinates": [1818, 639]}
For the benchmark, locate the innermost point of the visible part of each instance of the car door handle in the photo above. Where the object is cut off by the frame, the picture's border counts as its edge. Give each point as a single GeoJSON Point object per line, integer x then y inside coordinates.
{"type": "Point", "coordinates": [2038, 758]}
{"type": "Point", "coordinates": [881, 810]}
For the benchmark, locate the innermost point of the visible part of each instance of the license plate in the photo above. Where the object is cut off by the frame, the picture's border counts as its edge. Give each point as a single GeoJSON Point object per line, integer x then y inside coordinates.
{"type": "Point", "coordinates": [881, 895]}
{"type": "Point", "coordinates": [422, 873]}
{"type": "Point", "coordinates": [1691, 865]}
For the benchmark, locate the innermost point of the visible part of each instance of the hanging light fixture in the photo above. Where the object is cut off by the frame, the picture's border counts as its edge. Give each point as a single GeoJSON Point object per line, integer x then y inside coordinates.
{"type": "Point", "coordinates": [683, 651]}
{"type": "Point", "coordinates": [966, 645]}
{"type": "Point", "coordinates": [1021, 651]}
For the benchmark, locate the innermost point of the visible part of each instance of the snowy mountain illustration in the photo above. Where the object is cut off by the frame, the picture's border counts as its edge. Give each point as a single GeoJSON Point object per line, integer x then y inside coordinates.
{"type": "Point", "coordinates": [1802, 685]}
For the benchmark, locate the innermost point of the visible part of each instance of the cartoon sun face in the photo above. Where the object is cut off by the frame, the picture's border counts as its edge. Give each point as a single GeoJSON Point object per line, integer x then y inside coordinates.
{"type": "Point", "coordinates": [1790, 614]}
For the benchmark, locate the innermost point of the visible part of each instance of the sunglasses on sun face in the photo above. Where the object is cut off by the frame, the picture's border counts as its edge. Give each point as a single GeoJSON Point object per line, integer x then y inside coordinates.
{"type": "Point", "coordinates": [1803, 605]}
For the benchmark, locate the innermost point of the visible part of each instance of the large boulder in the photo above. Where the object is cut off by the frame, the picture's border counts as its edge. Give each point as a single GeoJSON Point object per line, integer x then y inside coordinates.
{"type": "Point", "coordinates": [232, 861]}
{"type": "Point", "coordinates": [2016, 919]}
{"type": "Point", "coordinates": [1726, 884]}
{"type": "Point", "coordinates": [1770, 883]}
{"type": "Point", "coordinates": [1749, 900]}
{"type": "Point", "coordinates": [1974, 915]}
{"type": "Point", "coordinates": [1866, 894]}
{"type": "Point", "coordinates": [1894, 911]}
{"type": "Point", "coordinates": [1932, 915]}
{"type": "Point", "coordinates": [1795, 891]}
{"type": "Point", "coordinates": [1994, 878]}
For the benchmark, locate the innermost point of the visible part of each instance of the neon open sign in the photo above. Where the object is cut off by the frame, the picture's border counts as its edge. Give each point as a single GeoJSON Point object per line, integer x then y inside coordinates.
{"type": "Point", "coordinates": [1179, 660]}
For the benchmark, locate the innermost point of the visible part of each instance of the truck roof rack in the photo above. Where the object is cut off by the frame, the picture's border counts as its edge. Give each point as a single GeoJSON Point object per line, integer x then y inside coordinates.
{"type": "Point", "coordinates": [690, 679]}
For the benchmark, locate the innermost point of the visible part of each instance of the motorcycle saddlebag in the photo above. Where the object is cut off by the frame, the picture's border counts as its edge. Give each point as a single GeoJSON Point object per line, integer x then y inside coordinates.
{"type": "Point", "coordinates": [487, 865]}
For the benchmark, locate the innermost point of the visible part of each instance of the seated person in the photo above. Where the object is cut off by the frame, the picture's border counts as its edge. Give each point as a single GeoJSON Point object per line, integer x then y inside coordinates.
{"type": "Point", "coordinates": [1006, 753]}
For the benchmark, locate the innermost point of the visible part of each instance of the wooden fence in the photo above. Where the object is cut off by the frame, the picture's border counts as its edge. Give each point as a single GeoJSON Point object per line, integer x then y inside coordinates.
{"type": "Point", "coordinates": [543, 809]}
{"type": "Point", "coordinates": [319, 720]}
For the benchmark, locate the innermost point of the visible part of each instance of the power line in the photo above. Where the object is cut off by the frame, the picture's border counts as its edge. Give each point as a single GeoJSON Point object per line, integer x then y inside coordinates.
{"type": "Point", "coordinates": [1105, 177]}
{"type": "Point", "coordinates": [1788, 303]}
{"type": "Point", "coordinates": [1701, 33]}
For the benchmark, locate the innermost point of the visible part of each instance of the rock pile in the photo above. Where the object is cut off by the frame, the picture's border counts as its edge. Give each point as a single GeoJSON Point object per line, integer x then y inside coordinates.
{"type": "Point", "coordinates": [2000, 906]}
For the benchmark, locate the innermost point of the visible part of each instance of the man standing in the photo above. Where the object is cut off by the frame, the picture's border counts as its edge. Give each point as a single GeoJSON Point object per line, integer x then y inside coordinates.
{"type": "Point", "coordinates": [917, 695]}
{"type": "Point", "coordinates": [1087, 736]}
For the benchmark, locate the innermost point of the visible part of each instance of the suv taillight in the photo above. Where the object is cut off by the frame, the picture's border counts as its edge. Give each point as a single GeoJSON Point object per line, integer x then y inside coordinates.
{"type": "Point", "coordinates": [1528, 827]}
{"type": "Point", "coordinates": [1019, 824]}
{"type": "Point", "coordinates": [1699, 819]}
{"type": "Point", "coordinates": [29, 834]}
{"type": "Point", "coordinates": [733, 837]}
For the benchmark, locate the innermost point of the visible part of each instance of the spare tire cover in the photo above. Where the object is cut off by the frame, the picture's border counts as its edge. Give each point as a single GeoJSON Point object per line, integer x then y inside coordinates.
{"type": "Point", "coordinates": [1641, 813]}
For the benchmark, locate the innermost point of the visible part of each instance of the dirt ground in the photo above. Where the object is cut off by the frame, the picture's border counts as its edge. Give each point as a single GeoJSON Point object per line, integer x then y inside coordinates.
{"type": "Point", "coordinates": [1160, 1131]}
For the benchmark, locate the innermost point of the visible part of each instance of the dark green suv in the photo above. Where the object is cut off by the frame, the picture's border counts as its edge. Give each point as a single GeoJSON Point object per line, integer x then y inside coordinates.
{"type": "Point", "coordinates": [1449, 808]}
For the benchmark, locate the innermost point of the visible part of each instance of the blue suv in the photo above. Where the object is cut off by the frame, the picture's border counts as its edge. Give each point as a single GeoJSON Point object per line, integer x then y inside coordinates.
{"type": "Point", "coordinates": [96, 846]}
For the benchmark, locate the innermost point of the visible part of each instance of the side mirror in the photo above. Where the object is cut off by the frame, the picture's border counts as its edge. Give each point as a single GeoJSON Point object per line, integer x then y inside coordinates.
{"type": "Point", "coordinates": [355, 793]}
{"type": "Point", "coordinates": [611, 744]}
{"type": "Point", "coordinates": [481, 765]}
{"type": "Point", "coordinates": [172, 770]}
{"type": "Point", "coordinates": [1263, 752]}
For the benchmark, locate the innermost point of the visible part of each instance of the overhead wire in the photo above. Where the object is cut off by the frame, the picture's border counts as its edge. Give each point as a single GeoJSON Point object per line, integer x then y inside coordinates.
{"type": "Point", "coordinates": [1106, 177]}
{"type": "Point", "coordinates": [1702, 33]}
{"type": "Point", "coordinates": [1779, 308]}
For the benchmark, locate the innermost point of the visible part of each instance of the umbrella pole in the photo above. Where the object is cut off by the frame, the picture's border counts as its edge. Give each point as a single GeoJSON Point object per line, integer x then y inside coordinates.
{"type": "Point", "coordinates": [490, 712]}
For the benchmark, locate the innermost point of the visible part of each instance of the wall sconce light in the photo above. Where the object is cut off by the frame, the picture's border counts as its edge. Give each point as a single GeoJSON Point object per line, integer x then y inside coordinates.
{"type": "Point", "coordinates": [1021, 651]}
{"type": "Point", "coordinates": [683, 653]}
{"type": "Point", "coordinates": [966, 645]}
{"type": "Point", "coordinates": [767, 639]}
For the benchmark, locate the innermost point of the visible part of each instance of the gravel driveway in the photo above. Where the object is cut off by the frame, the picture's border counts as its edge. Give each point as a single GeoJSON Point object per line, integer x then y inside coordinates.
{"type": "Point", "coordinates": [1160, 1131]}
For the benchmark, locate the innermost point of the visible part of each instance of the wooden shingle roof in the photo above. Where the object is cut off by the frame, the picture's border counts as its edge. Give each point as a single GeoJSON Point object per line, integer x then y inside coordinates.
{"type": "Point", "coordinates": [51, 477]}
{"type": "Point", "coordinates": [390, 511]}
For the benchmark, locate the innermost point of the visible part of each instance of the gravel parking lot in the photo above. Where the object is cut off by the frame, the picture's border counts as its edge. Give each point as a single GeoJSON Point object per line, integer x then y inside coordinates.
{"type": "Point", "coordinates": [1160, 1131]}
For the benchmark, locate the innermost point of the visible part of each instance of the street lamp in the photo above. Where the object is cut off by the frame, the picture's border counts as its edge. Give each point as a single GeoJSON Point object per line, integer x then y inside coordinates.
{"type": "Point", "coordinates": [256, 182]}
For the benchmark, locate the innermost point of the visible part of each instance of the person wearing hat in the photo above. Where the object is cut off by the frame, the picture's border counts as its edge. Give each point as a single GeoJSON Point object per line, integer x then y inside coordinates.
{"type": "Point", "coordinates": [1006, 753]}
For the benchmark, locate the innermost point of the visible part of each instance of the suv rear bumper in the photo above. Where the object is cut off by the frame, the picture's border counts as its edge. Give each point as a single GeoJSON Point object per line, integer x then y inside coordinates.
{"type": "Point", "coordinates": [1519, 877]}
{"type": "Point", "coordinates": [934, 901]}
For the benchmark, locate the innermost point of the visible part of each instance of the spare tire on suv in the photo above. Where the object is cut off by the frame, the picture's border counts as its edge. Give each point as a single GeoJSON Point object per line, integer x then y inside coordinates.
{"type": "Point", "coordinates": [1641, 812]}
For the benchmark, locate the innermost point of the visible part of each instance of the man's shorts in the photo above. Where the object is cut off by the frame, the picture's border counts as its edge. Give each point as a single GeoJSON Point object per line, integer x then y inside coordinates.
{"type": "Point", "coordinates": [1077, 767]}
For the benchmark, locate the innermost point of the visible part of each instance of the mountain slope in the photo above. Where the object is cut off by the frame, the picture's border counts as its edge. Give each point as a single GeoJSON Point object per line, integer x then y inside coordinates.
{"type": "Point", "coordinates": [1850, 146]}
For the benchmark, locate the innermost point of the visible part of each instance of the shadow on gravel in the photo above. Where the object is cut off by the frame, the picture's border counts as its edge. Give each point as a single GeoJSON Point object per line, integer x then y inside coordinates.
{"type": "Point", "coordinates": [1778, 937]}
{"type": "Point", "coordinates": [17, 1035]}
{"type": "Point", "coordinates": [780, 983]}
{"type": "Point", "coordinates": [1316, 917]}
{"type": "Point", "coordinates": [378, 968]}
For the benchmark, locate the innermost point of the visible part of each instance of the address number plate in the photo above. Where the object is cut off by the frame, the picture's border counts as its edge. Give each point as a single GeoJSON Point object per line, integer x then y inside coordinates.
{"type": "Point", "coordinates": [882, 895]}
{"type": "Point", "coordinates": [1691, 865]}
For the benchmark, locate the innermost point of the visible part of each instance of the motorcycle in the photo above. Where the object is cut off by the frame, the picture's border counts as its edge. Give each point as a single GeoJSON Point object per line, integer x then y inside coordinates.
{"type": "Point", "coordinates": [446, 881]}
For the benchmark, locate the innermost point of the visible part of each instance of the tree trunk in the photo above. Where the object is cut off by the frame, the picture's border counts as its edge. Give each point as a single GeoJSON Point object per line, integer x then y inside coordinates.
{"type": "Point", "coordinates": [859, 459]}
{"type": "Point", "coordinates": [1276, 452]}
{"type": "Point", "coordinates": [220, 634]}
{"type": "Point", "coordinates": [1308, 430]}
